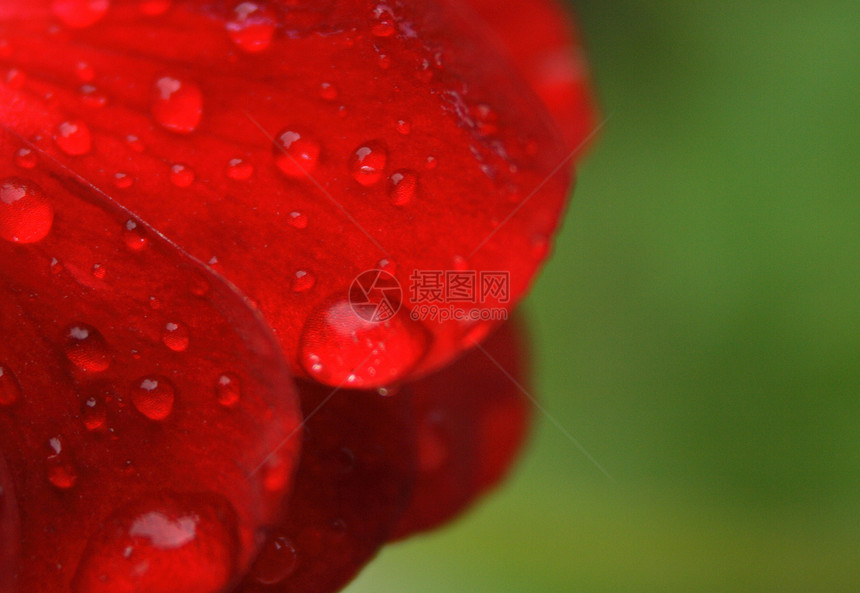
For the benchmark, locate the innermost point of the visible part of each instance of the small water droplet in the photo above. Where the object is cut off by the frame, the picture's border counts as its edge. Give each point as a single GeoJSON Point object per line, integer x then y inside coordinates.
{"type": "Point", "coordinates": [297, 220]}
{"type": "Point", "coordinates": [91, 97]}
{"type": "Point", "coordinates": [56, 266]}
{"type": "Point", "coordinates": [302, 281]}
{"type": "Point", "coordinates": [404, 127]}
{"type": "Point", "coordinates": [153, 397]}
{"type": "Point", "coordinates": [80, 13]}
{"type": "Point", "coordinates": [252, 26]}
{"type": "Point", "coordinates": [25, 158]}
{"type": "Point", "coordinates": [26, 214]}
{"type": "Point", "coordinates": [98, 271]}
{"type": "Point", "coordinates": [328, 91]}
{"type": "Point", "coordinates": [277, 472]}
{"type": "Point", "coordinates": [486, 120]}
{"type": "Point", "coordinates": [94, 413]}
{"type": "Point", "coordinates": [154, 303]}
{"type": "Point", "coordinates": [123, 180]}
{"type": "Point", "coordinates": [431, 162]}
{"type": "Point", "coordinates": [402, 186]}
{"type": "Point", "coordinates": [62, 472]}
{"type": "Point", "coordinates": [387, 265]}
{"type": "Point", "coordinates": [134, 143]}
{"type": "Point", "coordinates": [85, 72]}
{"type": "Point", "coordinates": [296, 154]}
{"type": "Point", "coordinates": [368, 163]}
{"type": "Point", "coordinates": [175, 336]}
{"type": "Point", "coordinates": [10, 389]}
{"type": "Point", "coordinates": [73, 137]}
{"type": "Point", "coordinates": [228, 389]}
{"type": "Point", "coordinates": [86, 348]}
{"type": "Point", "coordinates": [177, 104]}
{"type": "Point", "coordinates": [239, 170]}
{"type": "Point", "coordinates": [181, 175]}
{"type": "Point", "coordinates": [383, 25]}
{"type": "Point", "coordinates": [276, 562]}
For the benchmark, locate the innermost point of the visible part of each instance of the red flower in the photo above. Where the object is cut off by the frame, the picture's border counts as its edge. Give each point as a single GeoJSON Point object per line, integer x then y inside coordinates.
{"type": "Point", "coordinates": [190, 194]}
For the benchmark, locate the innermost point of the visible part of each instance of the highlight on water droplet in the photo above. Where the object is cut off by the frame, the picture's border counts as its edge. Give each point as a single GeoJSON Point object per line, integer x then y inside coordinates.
{"type": "Point", "coordinates": [228, 389]}
{"type": "Point", "coordinates": [402, 186]}
{"type": "Point", "coordinates": [252, 26]}
{"type": "Point", "coordinates": [181, 175]}
{"type": "Point", "coordinates": [73, 137]}
{"type": "Point", "coordinates": [26, 213]}
{"type": "Point", "coordinates": [276, 562]}
{"type": "Point", "coordinates": [177, 104]}
{"type": "Point", "coordinates": [134, 236]}
{"type": "Point", "coordinates": [153, 396]}
{"type": "Point", "coordinates": [10, 388]}
{"type": "Point", "coordinates": [175, 336]}
{"type": "Point", "coordinates": [80, 13]}
{"type": "Point", "coordinates": [166, 541]}
{"type": "Point", "coordinates": [296, 154]}
{"type": "Point", "coordinates": [239, 169]}
{"type": "Point", "coordinates": [302, 281]}
{"type": "Point", "coordinates": [86, 348]}
{"type": "Point", "coordinates": [368, 161]}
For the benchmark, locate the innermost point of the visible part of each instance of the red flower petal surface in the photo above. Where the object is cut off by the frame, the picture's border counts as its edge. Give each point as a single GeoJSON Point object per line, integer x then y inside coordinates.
{"type": "Point", "coordinates": [144, 406]}
{"type": "Point", "coordinates": [295, 144]}
{"type": "Point", "coordinates": [471, 419]}
{"type": "Point", "coordinates": [10, 534]}
{"type": "Point", "coordinates": [354, 481]}
{"type": "Point", "coordinates": [540, 37]}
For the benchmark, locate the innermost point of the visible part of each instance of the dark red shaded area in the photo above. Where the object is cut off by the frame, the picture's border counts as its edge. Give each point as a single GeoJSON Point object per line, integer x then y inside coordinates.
{"type": "Point", "coordinates": [10, 535]}
{"type": "Point", "coordinates": [274, 145]}
{"type": "Point", "coordinates": [112, 415]}
{"type": "Point", "coordinates": [354, 481]}
{"type": "Point", "coordinates": [541, 38]}
{"type": "Point", "coordinates": [470, 421]}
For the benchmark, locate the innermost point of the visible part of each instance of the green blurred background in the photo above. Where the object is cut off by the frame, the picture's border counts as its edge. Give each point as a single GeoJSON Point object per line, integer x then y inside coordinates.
{"type": "Point", "coordinates": [697, 327]}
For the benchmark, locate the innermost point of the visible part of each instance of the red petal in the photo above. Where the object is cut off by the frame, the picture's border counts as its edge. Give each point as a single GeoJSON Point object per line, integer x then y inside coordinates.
{"type": "Point", "coordinates": [353, 483]}
{"type": "Point", "coordinates": [10, 530]}
{"type": "Point", "coordinates": [540, 37]}
{"type": "Point", "coordinates": [143, 404]}
{"type": "Point", "coordinates": [471, 419]}
{"type": "Point", "coordinates": [202, 120]}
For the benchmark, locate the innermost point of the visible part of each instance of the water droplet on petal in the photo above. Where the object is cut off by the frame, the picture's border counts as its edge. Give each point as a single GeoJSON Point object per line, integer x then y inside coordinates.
{"type": "Point", "coordinates": [328, 91]}
{"type": "Point", "coordinates": [387, 265]}
{"type": "Point", "coordinates": [25, 158]}
{"type": "Point", "coordinates": [98, 271]}
{"type": "Point", "coordinates": [181, 176]}
{"type": "Point", "coordinates": [302, 281]}
{"type": "Point", "coordinates": [85, 72]}
{"type": "Point", "coordinates": [486, 120]}
{"type": "Point", "coordinates": [153, 397]}
{"type": "Point", "coordinates": [80, 13]}
{"type": "Point", "coordinates": [402, 186]}
{"type": "Point", "coordinates": [91, 97]}
{"type": "Point", "coordinates": [404, 127]}
{"type": "Point", "coordinates": [26, 214]}
{"type": "Point", "coordinates": [296, 154]}
{"type": "Point", "coordinates": [123, 180]}
{"type": "Point", "coordinates": [368, 163]}
{"type": "Point", "coordinates": [94, 413]}
{"type": "Point", "coordinates": [431, 162]}
{"type": "Point", "coordinates": [383, 25]}
{"type": "Point", "coordinates": [175, 336]}
{"type": "Point", "coordinates": [168, 541]}
{"type": "Point", "coordinates": [276, 562]}
{"type": "Point", "coordinates": [298, 220]}
{"type": "Point", "coordinates": [338, 347]}
{"type": "Point", "coordinates": [10, 389]}
{"type": "Point", "coordinates": [134, 143]}
{"type": "Point", "coordinates": [252, 26]}
{"type": "Point", "coordinates": [228, 390]}
{"type": "Point", "coordinates": [62, 472]}
{"type": "Point", "coordinates": [177, 104]}
{"type": "Point", "coordinates": [86, 348]}
{"type": "Point", "coordinates": [239, 170]}
{"type": "Point", "coordinates": [73, 137]}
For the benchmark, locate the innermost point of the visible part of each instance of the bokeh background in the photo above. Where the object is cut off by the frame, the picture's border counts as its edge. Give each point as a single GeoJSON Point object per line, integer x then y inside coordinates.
{"type": "Point", "coordinates": [698, 328]}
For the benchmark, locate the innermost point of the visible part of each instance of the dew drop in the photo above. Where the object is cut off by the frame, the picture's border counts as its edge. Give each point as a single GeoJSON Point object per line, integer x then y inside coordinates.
{"type": "Point", "coordinates": [73, 137]}
{"type": "Point", "coordinates": [181, 176]}
{"type": "Point", "coordinates": [94, 414]}
{"type": "Point", "coordinates": [302, 281]}
{"type": "Point", "coordinates": [164, 542]}
{"type": "Point", "coordinates": [276, 472]}
{"type": "Point", "coordinates": [175, 336]}
{"type": "Point", "coordinates": [239, 170]}
{"type": "Point", "coordinates": [26, 214]}
{"type": "Point", "coordinates": [98, 271]}
{"type": "Point", "coordinates": [402, 186]}
{"type": "Point", "coordinates": [252, 26]}
{"type": "Point", "coordinates": [296, 154]}
{"type": "Point", "coordinates": [86, 348]}
{"type": "Point", "coordinates": [85, 72]}
{"type": "Point", "coordinates": [10, 389]}
{"type": "Point", "coordinates": [61, 470]}
{"type": "Point", "coordinates": [328, 91]}
{"type": "Point", "coordinates": [387, 265]}
{"type": "Point", "coordinates": [91, 97]}
{"type": "Point", "coordinates": [123, 180]}
{"type": "Point", "coordinates": [80, 13]}
{"type": "Point", "coordinates": [297, 220]}
{"type": "Point", "coordinates": [486, 120]}
{"type": "Point", "coordinates": [228, 390]}
{"type": "Point", "coordinates": [431, 162]}
{"type": "Point", "coordinates": [368, 163]}
{"type": "Point", "coordinates": [383, 25]}
{"type": "Point", "coordinates": [134, 143]}
{"type": "Point", "coordinates": [153, 397]}
{"type": "Point", "coordinates": [276, 562]}
{"type": "Point", "coordinates": [340, 347]}
{"type": "Point", "coordinates": [177, 104]}
{"type": "Point", "coordinates": [25, 158]}
{"type": "Point", "coordinates": [403, 126]}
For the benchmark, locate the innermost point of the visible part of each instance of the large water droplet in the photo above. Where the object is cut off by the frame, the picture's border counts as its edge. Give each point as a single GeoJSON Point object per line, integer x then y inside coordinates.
{"type": "Point", "coordinates": [252, 26]}
{"type": "Point", "coordinates": [167, 543]}
{"type": "Point", "coordinates": [341, 348]}
{"type": "Point", "coordinates": [86, 348]}
{"type": "Point", "coordinates": [367, 163]}
{"type": "Point", "coordinates": [176, 336]}
{"type": "Point", "coordinates": [153, 397]}
{"type": "Point", "coordinates": [296, 154]}
{"type": "Point", "coordinates": [73, 137]}
{"type": "Point", "coordinates": [26, 214]}
{"type": "Point", "coordinates": [80, 13]}
{"type": "Point", "coordinates": [177, 104]}
{"type": "Point", "coordinates": [402, 186]}
{"type": "Point", "coordinates": [276, 562]}
{"type": "Point", "coordinates": [10, 389]}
